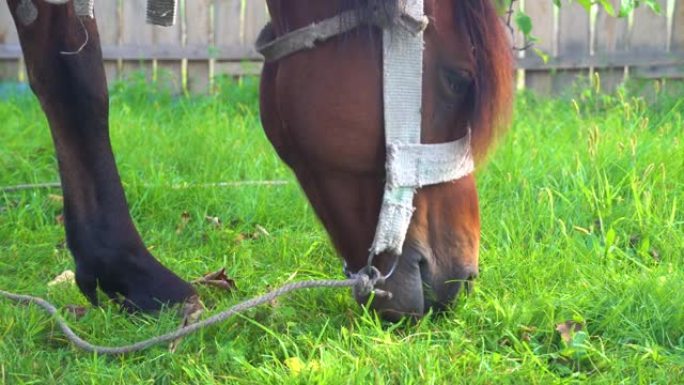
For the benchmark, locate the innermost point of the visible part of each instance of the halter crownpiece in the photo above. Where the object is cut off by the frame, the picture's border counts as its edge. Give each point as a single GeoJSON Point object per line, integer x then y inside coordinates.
{"type": "Point", "coordinates": [410, 164]}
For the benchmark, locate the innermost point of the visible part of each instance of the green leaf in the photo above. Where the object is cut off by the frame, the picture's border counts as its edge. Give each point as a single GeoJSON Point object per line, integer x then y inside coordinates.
{"type": "Point", "coordinates": [626, 7]}
{"type": "Point", "coordinates": [608, 6]}
{"type": "Point", "coordinates": [654, 5]}
{"type": "Point", "coordinates": [586, 4]}
{"type": "Point", "coordinates": [543, 55]}
{"type": "Point", "coordinates": [524, 23]}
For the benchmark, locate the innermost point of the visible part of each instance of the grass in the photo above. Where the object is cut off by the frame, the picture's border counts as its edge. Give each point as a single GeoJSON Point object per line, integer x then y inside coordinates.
{"type": "Point", "coordinates": [582, 222]}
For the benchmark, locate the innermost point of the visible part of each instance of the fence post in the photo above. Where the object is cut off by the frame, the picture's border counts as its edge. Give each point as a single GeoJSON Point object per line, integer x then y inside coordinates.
{"type": "Point", "coordinates": [108, 16]}
{"type": "Point", "coordinates": [198, 30]}
{"type": "Point", "coordinates": [227, 29]}
{"type": "Point", "coordinates": [9, 68]}
{"type": "Point", "coordinates": [541, 13]}
{"type": "Point", "coordinates": [135, 32]}
{"type": "Point", "coordinates": [573, 43]}
{"type": "Point", "coordinates": [610, 38]}
{"type": "Point", "coordinates": [649, 36]}
{"type": "Point", "coordinates": [169, 72]}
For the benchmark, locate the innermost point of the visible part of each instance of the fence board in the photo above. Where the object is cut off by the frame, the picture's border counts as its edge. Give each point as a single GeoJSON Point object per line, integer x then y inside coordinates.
{"type": "Point", "coordinates": [541, 13]}
{"type": "Point", "coordinates": [108, 14]}
{"type": "Point", "coordinates": [224, 44]}
{"type": "Point", "coordinates": [169, 72]}
{"type": "Point", "coordinates": [649, 32]}
{"type": "Point", "coordinates": [227, 30]}
{"type": "Point", "coordinates": [9, 68]}
{"type": "Point", "coordinates": [617, 59]}
{"type": "Point", "coordinates": [198, 30]}
{"type": "Point", "coordinates": [135, 31]}
{"type": "Point", "coordinates": [611, 38]}
{"type": "Point", "coordinates": [677, 44]}
{"type": "Point", "coordinates": [649, 36]}
{"type": "Point", "coordinates": [573, 40]}
{"type": "Point", "coordinates": [256, 16]}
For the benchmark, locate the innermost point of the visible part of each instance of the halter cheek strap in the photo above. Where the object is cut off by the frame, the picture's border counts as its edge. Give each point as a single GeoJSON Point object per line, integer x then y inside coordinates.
{"type": "Point", "coordinates": [410, 165]}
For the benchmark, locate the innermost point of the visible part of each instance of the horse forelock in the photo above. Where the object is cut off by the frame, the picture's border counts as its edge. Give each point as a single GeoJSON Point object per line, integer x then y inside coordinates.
{"type": "Point", "coordinates": [493, 91]}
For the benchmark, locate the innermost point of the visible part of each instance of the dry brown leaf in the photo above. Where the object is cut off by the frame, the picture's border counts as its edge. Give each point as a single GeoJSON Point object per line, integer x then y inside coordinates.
{"type": "Point", "coordinates": [76, 311]}
{"type": "Point", "coordinates": [191, 312]}
{"type": "Point", "coordinates": [184, 220]}
{"type": "Point", "coordinates": [261, 231]}
{"type": "Point", "coordinates": [60, 219]}
{"type": "Point", "coordinates": [655, 255]}
{"type": "Point", "coordinates": [526, 332]}
{"type": "Point", "coordinates": [567, 329]}
{"type": "Point", "coordinates": [218, 279]}
{"type": "Point", "coordinates": [215, 221]}
{"type": "Point", "coordinates": [66, 276]}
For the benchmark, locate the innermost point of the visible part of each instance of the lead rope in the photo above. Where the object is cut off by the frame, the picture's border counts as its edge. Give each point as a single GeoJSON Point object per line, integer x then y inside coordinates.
{"type": "Point", "coordinates": [363, 282]}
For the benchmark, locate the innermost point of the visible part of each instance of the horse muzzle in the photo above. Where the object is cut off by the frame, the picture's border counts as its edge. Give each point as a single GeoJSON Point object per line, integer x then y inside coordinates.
{"type": "Point", "coordinates": [418, 284]}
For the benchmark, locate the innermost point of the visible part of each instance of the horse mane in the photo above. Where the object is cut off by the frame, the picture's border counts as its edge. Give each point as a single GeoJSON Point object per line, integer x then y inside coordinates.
{"type": "Point", "coordinates": [492, 94]}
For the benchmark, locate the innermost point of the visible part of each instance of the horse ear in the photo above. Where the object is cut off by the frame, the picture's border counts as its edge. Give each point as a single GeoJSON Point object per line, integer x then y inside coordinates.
{"type": "Point", "coordinates": [162, 12]}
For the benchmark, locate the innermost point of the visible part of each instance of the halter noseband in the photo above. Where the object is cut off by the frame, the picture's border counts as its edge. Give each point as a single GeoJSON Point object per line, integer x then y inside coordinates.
{"type": "Point", "coordinates": [410, 165]}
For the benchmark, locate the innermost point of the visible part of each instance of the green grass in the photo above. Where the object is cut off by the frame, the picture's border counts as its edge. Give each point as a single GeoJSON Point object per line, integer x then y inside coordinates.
{"type": "Point", "coordinates": [583, 220]}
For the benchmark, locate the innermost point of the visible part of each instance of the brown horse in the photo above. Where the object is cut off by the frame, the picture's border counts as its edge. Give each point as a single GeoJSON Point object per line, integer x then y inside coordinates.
{"type": "Point", "coordinates": [322, 110]}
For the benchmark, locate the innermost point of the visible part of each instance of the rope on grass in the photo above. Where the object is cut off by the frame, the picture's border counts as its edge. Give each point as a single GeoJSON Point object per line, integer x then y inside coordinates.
{"type": "Point", "coordinates": [180, 186]}
{"type": "Point", "coordinates": [363, 283]}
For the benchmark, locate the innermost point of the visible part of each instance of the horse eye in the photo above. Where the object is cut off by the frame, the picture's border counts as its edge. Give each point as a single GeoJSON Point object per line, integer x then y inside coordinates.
{"type": "Point", "coordinates": [455, 83]}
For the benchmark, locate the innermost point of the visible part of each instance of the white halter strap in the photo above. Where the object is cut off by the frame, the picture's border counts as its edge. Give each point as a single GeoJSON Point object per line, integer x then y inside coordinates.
{"type": "Point", "coordinates": [410, 165]}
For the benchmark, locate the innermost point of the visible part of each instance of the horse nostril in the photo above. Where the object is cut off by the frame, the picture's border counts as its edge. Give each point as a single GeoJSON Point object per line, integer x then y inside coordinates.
{"type": "Point", "coordinates": [441, 288]}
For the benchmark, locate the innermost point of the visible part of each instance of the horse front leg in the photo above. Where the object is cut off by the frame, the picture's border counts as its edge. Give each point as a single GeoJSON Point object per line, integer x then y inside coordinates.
{"type": "Point", "coordinates": [64, 63]}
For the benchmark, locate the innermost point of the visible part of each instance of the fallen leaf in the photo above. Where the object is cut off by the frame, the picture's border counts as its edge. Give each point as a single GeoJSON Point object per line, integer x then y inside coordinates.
{"type": "Point", "coordinates": [218, 279]}
{"type": "Point", "coordinates": [191, 312]}
{"type": "Point", "coordinates": [77, 311]}
{"type": "Point", "coordinates": [655, 255]}
{"type": "Point", "coordinates": [215, 221]}
{"type": "Point", "coordinates": [184, 220]}
{"type": "Point", "coordinates": [55, 198]}
{"type": "Point", "coordinates": [261, 231]}
{"type": "Point", "coordinates": [67, 276]}
{"type": "Point", "coordinates": [527, 332]}
{"type": "Point", "coordinates": [60, 219]}
{"type": "Point", "coordinates": [567, 329]}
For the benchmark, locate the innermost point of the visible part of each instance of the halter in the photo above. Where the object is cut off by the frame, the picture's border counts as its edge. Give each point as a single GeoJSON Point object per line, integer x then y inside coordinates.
{"type": "Point", "coordinates": [410, 164]}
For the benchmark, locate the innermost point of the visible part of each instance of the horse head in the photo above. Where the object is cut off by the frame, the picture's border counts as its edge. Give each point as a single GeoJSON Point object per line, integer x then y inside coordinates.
{"type": "Point", "coordinates": [322, 109]}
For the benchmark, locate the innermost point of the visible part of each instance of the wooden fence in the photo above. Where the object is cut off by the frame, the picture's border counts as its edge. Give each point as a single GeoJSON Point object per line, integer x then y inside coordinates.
{"type": "Point", "coordinates": [215, 37]}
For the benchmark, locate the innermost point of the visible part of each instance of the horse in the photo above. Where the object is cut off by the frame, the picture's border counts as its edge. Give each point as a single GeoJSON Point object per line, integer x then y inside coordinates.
{"type": "Point", "coordinates": [324, 111]}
